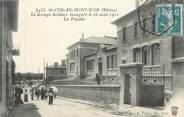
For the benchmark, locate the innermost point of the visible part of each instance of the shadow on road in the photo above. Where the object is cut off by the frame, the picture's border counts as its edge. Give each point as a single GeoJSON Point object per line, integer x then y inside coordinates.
{"type": "Point", "coordinates": [24, 110]}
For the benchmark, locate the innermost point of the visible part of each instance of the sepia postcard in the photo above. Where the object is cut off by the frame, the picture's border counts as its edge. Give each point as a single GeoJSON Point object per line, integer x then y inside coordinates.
{"type": "Point", "coordinates": [96, 58]}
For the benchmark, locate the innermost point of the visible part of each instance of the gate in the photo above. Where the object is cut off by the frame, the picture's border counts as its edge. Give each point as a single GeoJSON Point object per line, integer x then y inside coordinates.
{"type": "Point", "coordinates": [152, 87]}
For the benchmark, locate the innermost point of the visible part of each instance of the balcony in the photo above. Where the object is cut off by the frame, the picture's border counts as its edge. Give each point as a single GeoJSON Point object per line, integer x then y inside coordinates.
{"type": "Point", "coordinates": [16, 50]}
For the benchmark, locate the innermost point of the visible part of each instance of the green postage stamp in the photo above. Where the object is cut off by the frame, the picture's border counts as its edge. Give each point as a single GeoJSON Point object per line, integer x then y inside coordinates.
{"type": "Point", "coordinates": [169, 19]}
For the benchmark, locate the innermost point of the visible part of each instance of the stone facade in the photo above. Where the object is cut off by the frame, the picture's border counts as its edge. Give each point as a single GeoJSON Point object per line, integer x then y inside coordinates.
{"type": "Point", "coordinates": [8, 19]}
{"type": "Point", "coordinates": [178, 62]}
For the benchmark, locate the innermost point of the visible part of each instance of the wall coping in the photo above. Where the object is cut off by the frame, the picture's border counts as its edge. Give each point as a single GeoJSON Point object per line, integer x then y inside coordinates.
{"type": "Point", "coordinates": [135, 64]}
{"type": "Point", "coordinates": [94, 86]}
{"type": "Point", "coordinates": [180, 59]}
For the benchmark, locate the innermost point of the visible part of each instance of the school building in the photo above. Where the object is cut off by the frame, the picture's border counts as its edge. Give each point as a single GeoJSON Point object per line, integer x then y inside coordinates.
{"type": "Point", "coordinates": [79, 63]}
{"type": "Point", "coordinates": [149, 65]}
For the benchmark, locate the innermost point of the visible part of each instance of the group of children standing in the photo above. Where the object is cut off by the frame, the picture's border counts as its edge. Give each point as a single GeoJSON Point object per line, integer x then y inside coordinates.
{"type": "Point", "coordinates": [44, 93]}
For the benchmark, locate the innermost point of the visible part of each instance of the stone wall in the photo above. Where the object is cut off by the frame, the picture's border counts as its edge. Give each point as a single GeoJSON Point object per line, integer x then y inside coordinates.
{"type": "Point", "coordinates": [104, 94]}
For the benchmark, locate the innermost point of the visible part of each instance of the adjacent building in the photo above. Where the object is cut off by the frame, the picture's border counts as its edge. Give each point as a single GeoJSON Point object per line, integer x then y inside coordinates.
{"type": "Point", "coordinates": [56, 72]}
{"type": "Point", "coordinates": [79, 52]}
{"type": "Point", "coordinates": [8, 25]}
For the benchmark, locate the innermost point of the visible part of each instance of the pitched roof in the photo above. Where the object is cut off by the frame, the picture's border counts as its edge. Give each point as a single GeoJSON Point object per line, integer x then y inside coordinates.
{"type": "Point", "coordinates": [101, 40]}
{"type": "Point", "coordinates": [97, 40]}
{"type": "Point", "coordinates": [131, 12]}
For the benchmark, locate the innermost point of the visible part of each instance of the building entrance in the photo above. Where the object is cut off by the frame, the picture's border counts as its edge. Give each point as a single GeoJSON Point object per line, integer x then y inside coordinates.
{"type": "Point", "coordinates": [127, 89]}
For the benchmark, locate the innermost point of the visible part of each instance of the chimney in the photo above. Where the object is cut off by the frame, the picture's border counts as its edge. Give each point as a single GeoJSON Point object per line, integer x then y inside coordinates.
{"type": "Point", "coordinates": [139, 3]}
{"type": "Point", "coordinates": [56, 64]}
{"type": "Point", "coordinates": [63, 62]}
{"type": "Point", "coordinates": [82, 36]}
{"type": "Point", "coordinates": [136, 4]}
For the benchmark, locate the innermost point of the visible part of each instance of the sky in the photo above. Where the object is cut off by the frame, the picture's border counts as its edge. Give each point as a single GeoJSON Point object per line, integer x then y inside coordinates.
{"type": "Point", "coordinates": [42, 38]}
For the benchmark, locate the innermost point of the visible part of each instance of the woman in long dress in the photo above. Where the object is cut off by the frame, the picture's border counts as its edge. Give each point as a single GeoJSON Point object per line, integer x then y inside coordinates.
{"type": "Point", "coordinates": [26, 96]}
{"type": "Point", "coordinates": [51, 96]}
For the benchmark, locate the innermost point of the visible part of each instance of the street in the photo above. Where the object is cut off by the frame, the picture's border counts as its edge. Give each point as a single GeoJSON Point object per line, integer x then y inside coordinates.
{"type": "Point", "coordinates": [60, 108]}
{"type": "Point", "coordinates": [64, 107]}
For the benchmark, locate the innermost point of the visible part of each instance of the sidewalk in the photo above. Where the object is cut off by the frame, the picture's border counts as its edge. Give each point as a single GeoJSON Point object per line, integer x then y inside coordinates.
{"type": "Point", "coordinates": [25, 110]}
{"type": "Point", "coordinates": [60, 108]}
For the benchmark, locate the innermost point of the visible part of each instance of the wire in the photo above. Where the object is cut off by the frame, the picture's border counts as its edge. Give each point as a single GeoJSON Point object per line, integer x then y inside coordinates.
{"type": "Point", "coordinates": [155, 33]}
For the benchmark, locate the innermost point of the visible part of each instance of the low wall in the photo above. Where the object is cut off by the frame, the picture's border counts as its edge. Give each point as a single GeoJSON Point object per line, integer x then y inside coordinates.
{"type": "Point", "coordinates": [106, 94]}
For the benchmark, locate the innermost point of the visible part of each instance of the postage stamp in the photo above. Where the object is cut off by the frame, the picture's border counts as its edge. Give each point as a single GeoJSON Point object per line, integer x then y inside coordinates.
{"type": "Point", "coordinates": [169, 19]}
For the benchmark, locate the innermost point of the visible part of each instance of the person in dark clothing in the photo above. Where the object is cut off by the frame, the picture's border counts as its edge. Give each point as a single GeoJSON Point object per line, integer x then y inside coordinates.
{"type": "Point", "coordinates": [37, 93]}
{"type": "Point", "coordinates": [42, 93]}
{"type": "Point", "coordinates": [97, 79]}
{"type": "Point", "coordinates": [46, 93]}
{"type": "Point", "coordinates": [51, 96]}
{"type": "Point", "coordinates": [32, 94]}
{"type": "Point", "coordinates": [18, 93]}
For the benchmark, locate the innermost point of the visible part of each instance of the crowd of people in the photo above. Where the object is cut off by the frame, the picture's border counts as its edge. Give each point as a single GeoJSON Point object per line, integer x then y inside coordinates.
{"type": "Point", "coordinates": [42, 93]}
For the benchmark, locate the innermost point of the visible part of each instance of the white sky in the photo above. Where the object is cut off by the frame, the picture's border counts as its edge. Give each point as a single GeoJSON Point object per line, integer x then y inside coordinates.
{"type": "Point", "coordinates": [47, 38]}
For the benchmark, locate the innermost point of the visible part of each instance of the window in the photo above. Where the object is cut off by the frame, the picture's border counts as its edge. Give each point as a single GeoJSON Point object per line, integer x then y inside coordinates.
{"type": "Point", "coordinates": [77, 52]}
{"type": "Point", "coordinates": [120, 35]}
{"type": "Point", "coordinates": [153, 23]}
{"type": "Point", "coordinates": [144, 26]}
{"type": "Point", "coordinates": [123, 61]}
{"type": "Point", "coordinates": [72, 67]}
{"type": "Point", "coordinates": [114, 61]}
{"type": "Point", "coordinates": [137, 55]}
{"type": "Point", "coordinates": [124, 34]}
{"type": "Point", "coordinates": [90, 64]}
{"type": "Point", "coordinates": [155, 54]}
{"type": "Point", "coordinates": [146, 55]}
{"type": "Point", "coordinates": [135, 29]}
{"type": "Point", "coordinates": [111, 61]}
{"type": "Point", "coordinates": [72, 54]}
{"type": "Point", "coordinates": [108, 66]}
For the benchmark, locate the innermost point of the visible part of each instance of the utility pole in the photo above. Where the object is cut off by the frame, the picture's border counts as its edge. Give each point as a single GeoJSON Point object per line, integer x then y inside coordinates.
{"type": "Point", "coordinates": [44, 69]}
